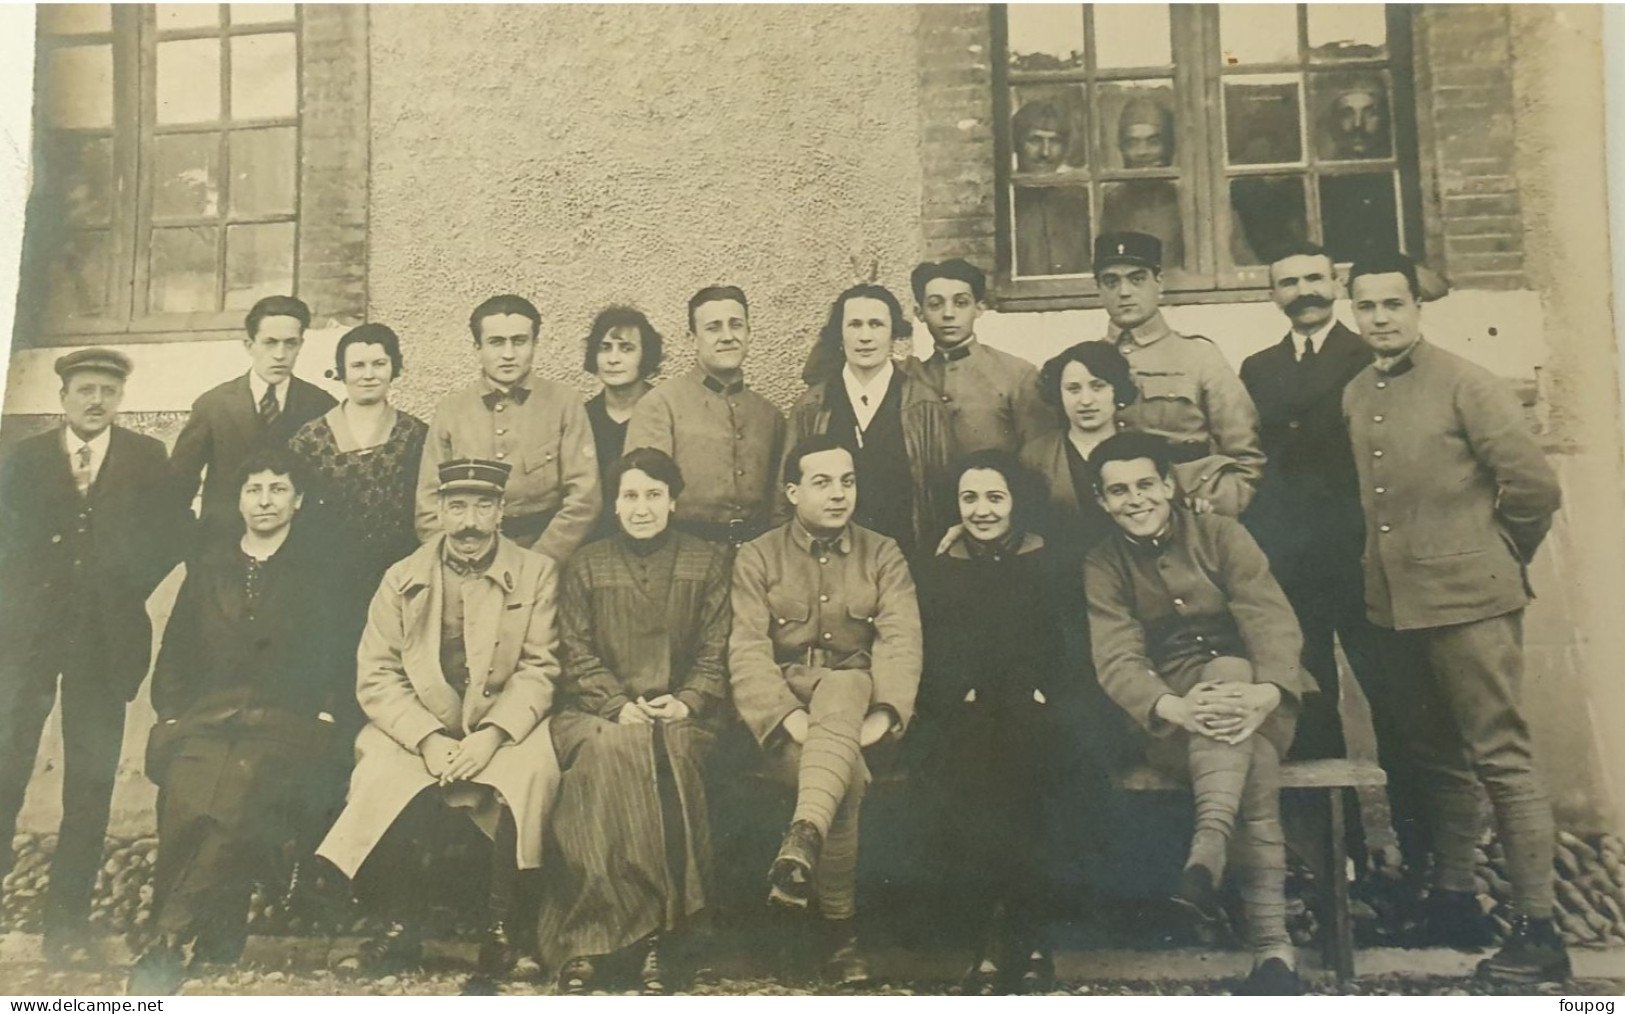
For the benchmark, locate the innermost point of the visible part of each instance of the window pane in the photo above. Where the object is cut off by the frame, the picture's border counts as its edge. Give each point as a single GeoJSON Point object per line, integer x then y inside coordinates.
{"type": "Point", "coordinates": [187, 15]}
{"type": "Point", "coordinates": [1351, 116]}
{"type": "Point", "coordinates": [1267, 214]}
{"type": "Point", "coordinates": [186, 176]}
{"type": "Point", "coordinates": [1359, 215]}
{"type": "Point", "coordinates": [1262, 120]}
{"type": "Point", "coordinates": [1258, 33]}
{"type": "Point", "coordinates": [1045, 36]}
{"type": "Point", "coordinates": [189, 81]}
{"type": "Point", "coordinates": [1149, 206]}
{"type": "Point", "coordinates": [1052, 231]}
{"type": "Point", "coordinates": [263, 79]}
{"type": "Point", "coordinates": [79, 83]}
{"type": "Point", "coordinates": [80, 173]}
{"type": "Point", "coordinates": [1139, 120]}
{"type": "Point", "coordinates": [1049, 132]}
{"type": "Point", "coordinates": [1348, 31]}
{"type": "Point", "coordinates": [259, 262]}
{"type": "Point", "coordinates": [79, 276]}
{"type": "Point", "coordinates": [251, 14]}
{"type": "Point", "coordinates": [1132, 35]}
{"type": "Point", "coordinates": [262, 171]}
{"type": "Point", "coordinates": [74, 19]}
{"type": "Point", "coordinates": [183, 274]}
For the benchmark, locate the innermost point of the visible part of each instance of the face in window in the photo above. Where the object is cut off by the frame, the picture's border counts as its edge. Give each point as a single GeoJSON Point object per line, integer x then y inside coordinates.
{"type": "Point", "coordinates": [1136, 497]}
{"type": "Point", "coordinates": [470, 521]}
{"type": "Point", "coordinates": [90, 400]}
{"type": "Point", "coordinates": [1360, 124]}
{"type": "Point", "coordinates": [620, 357]}
{"type": "Point", "coordinates": [949, 311]}
{"type": "Point", "coordinates": [1387, 313]}
{"type": "Point", "coordinates": [507, 347]}
{"type": "Point", "coordinates": [268, 502]}
{"type": "Point", "coordinates": [866, 333]}
{"type": "Point", "coordinates": [644, 505]}
{"type": "Point", "coordinates": [274, 348]}
{"type": "Point", "coordinates": [368, 373]}
{"type": "Point", "coordinates": [1130, 293]}
{"type": "Point", "coordinates": [1304, 286]}
{"type": "Point", "coordinates": [721, 336]}
{"type": "Point", "coordinates": [1145, 135]}
{"type": "Point", "coordinates": [828, 491]}
{"type": "Point", "coordinates": [1042, 137]}
{"type": "Point", "coordinates": [1088, 401]}
{"type": "Point", "coordinates": [985, 504]}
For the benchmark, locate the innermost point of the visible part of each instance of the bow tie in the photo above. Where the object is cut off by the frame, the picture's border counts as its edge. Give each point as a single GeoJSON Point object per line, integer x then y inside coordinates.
{"type": "Point", "coordinates": [826, 547]}
{"type": "Point", "coordinates": [516, 395]}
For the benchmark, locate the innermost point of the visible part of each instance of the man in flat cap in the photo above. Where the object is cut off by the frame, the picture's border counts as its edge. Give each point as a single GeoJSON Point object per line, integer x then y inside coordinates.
{"type": "Point", "coordinates": [263, 407]}
{"type": "Point", "coordinates": [455, 672]}
{"type": "Point", "coordinates": [1189, 393]}
{"type": "Point", "coordinates": [85, 536]}
{"type": "Point", "coordinates": [535, 426]}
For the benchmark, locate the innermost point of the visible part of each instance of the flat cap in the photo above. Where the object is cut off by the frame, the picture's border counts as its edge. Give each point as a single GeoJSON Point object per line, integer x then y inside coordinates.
{"type": "Point", "coordinates": [474, 475]}
{"type": "Point", "coordinates": [106, 360]}
{"type": "Point", "coordinates": [1127, 248]}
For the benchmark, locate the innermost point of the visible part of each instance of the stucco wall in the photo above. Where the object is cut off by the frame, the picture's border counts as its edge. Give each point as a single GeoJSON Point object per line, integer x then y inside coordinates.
{"type": "Point", "coordinates": [757, 146]}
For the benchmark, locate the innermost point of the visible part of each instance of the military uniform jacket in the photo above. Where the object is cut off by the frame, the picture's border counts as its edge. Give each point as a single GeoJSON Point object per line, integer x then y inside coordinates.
{"type": "Point", "coordinates": [850, 606]}
{"type": "Point", "coordinates": [1456, 492]}
{"type": "Point", "coordinates": [991, 396]}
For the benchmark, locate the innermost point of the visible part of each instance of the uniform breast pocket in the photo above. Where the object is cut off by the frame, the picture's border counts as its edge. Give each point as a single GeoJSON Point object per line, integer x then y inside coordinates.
{"type": "Point", "coordinates": [787, 611]}
{"type": "Point", "coordinates": [542, 463]}
{"type": "Point", "coordinates": [1174, 386]}
{"type": "Point", "coordinates": [861, 608]}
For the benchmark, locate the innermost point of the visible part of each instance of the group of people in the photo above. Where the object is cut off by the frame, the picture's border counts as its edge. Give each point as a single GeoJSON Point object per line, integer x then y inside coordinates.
{"type": "Point", "coordinates": [544, 614]}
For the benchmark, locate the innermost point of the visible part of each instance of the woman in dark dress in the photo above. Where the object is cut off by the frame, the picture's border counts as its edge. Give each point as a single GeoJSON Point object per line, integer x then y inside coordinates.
{"type": "Point", "coordinates": [991, 707]}
{"type": "Point", "coordinates": [623, 352]}
{"type": "Point", "coordinates": [643, 631]}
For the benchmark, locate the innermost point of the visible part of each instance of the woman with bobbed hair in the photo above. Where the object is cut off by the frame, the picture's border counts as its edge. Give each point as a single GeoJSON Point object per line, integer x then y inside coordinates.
{"type": "Point", "coordinates": [623, 351]}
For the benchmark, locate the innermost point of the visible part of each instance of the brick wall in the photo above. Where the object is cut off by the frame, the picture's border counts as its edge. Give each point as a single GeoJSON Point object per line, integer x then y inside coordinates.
{"type": "Point", "coordinates": [332, 264]}
{"type": "Point", "coordinates": [956, 133]}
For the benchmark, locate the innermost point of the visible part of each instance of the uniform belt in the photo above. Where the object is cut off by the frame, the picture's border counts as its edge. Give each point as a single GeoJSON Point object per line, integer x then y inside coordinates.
{"type": "Point", "coordinates": [734, 532]}
{"type": "Point", "coordinates": [527, 526]}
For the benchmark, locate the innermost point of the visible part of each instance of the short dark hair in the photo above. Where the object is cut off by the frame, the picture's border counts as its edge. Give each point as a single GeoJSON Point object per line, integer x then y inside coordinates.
{"type": "Point", "coordinates": [1297, 248]}
{"type": "Point", "coordinates": [276, 306]}
{"type": "Point", "coordinates": [827, 357]}
{"type": "Point", "coordinates": [498, 306]}
{"type": "Point", "coordinates": [817, 443]}
{"type": "Point", "coordinates": [613, 318]}
{"type": "Point", "coordinates": [1098, 357]}
{"type": "Point", "coordinates": [1028, 492]}
{"type": "Point", "coordinates": [655, 464]}
{"type": "Point", "coordinates": [370, 334]}
{"type": "Point", "coordinates": [956, 268]}
{"type": "Point", "coordinates": [1389, 263]}
{"type": "Point", "coordinates": [1131, 446]}
{"type": "Point", "coordinates": [716, 294]}
{"type": "Point", "coordinates": [1040, 115]}
{"type": "Point", "coordinates": [277, 460]}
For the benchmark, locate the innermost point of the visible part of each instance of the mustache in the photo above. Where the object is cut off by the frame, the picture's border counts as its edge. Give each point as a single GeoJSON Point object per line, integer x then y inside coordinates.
{"type": "Point", "coordinates": [1307, 301]}
{"type": "Point", "coordinates": [468, 533]}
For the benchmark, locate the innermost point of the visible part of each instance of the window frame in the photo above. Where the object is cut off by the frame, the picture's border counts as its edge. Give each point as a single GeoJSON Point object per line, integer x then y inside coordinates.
{"type": "Point", "coordinates": [1200, 155]}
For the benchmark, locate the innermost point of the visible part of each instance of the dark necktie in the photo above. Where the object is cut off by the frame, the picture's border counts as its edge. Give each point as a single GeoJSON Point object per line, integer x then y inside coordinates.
{"type": "Point", "coordinates": [81, 469]}
{"type": "Point", "coordinates": [1125, 340]}
{"type": "Point", "coordinates": [1308, 357]}
{"type": "Point", "coordinates": [269, 409]}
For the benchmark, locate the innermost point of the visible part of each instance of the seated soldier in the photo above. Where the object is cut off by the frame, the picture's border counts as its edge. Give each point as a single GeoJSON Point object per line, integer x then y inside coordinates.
{"type": "Point", "coordinates": [248, 679]}
{"type": "Point", "coordinates": [455, 674]}
{"type": "Point", "coordinates": [1195, 640]}
{"type": "Point", "coordinates": [824, 660]}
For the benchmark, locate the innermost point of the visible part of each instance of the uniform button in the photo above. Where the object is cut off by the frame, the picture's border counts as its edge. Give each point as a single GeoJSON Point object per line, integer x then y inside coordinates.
{"type": "Point", "coordinates": [739, 471]}
{"type": "Point", "coordinates": [823, 598]}
{"type": "Point", "coordinates": [946, 398]}
{"type": "Point", "coordinates": [823, 559]}
{"type": "Point", "coordinates": [1294, 424]}
{"type": "Point", "coordinates": [1381, 384]}
{"type": "Point", "coordinates": [486, 693]}
{"type": "Point", "coordinates": [1200, 639]}
{"type": "Point", "coordinates": [501, 406]}
{"type": "Point", "coordinates": [1213, 653]}
{"type": "Point", "coordinates": [781, 621]}
{"type": "Point", "coordinates": [1385, 528]}
{"type": "Point", "coordinates": [501, 432]}
{"type": "Point", "coordinates": [1179, 602]}
{"type": "Point", "coordinates": [1376, 418]}
{"type": "Point", "coordinates": [1382, 489]}
{"type": "Point", "coordinates": [502, 454]}
{"type": "Point", "coordinates": [1377, 453]}
{"type": "Point", "coordinates": [828, 635]}
{"type": "Point", "coordinates": [739, 434]}
{"type": "Point", "coordinates": [56, 538]}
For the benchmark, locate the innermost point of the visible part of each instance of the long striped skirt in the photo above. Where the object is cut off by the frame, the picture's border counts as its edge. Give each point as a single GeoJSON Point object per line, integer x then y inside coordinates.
{"type": "Point", "coordinates": [631, 835]}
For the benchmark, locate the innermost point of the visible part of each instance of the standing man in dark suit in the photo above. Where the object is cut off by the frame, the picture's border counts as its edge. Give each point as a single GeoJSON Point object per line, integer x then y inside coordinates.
{"type": "Point", "coordinates": [85, 536]}
{"type": "Point", "coordinates": [1457, 498]}
{"type": "Point", "coordinates": [265, 406]}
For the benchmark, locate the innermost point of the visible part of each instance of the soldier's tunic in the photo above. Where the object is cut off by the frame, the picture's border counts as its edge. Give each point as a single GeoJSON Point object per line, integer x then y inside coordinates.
{"type": "Point", "coordinates": [1190, 395]}
{"type": "Point", "coordinates": [991, 396]}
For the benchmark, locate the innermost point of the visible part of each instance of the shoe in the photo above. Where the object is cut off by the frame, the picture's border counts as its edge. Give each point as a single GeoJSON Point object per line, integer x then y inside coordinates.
{"type": "Point", "coordinates": [159, 971]}
{"type": "Point", "coordinates": [496, 954]}
{"type": "Point", "coordinates": [790, 878]}
{"type": "Point", "coordinates": [653, 971]}
{"type": "Point", "coordinates": [1533, 953]}
{"type": "Point", "coordinates": [1039, 975]}
{"type": "Point", "coordinates": [981, 979]}
{"type": "Point", "coordinates": [1271, 977]}
{"type": "Point", "coordinates": [1199, 896]}
{"type": "Point", "coordinates": [1453, 919]}
{"type": "Point", "coordinates": [396, 951]}
{"type": "Point", "coordinates": [846, 967]}
{"type": "Point", "coordinates": [575, 979]}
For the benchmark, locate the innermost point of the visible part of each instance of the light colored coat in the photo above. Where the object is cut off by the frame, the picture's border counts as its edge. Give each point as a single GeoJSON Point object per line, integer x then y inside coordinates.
{"type": "Point", "coordinates": [513, 667]}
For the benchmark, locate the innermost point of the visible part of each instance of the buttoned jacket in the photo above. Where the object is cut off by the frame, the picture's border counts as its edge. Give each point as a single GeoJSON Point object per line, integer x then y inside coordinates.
{"type": "Point", "coordinates": [991, 396]}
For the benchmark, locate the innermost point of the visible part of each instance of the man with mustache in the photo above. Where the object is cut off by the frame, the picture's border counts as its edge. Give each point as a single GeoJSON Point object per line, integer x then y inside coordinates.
{"type": "Point", "coordinates": [536, 426]}
{"type": "Point", "coordinates": [824, 660]}
{"type": "Point", "coordinates": [1052, 222]}
{"type": "Point", "coordinates": [724, 436]}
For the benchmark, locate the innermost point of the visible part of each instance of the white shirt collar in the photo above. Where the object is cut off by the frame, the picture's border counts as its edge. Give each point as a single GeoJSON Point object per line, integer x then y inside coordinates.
{"type": "Point", "coordinates": [1319, 336]}
{"type": "Point", "coordinates": [98, 445]}
{"type": "Point", "coordinates": [257, 385]}
{"type": "Point", "coordinates": [866, 398]}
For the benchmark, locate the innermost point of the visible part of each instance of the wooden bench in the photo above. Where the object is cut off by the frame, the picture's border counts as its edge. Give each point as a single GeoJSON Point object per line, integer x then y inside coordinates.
{"type": "Point", "coordinates": [1330, 777]}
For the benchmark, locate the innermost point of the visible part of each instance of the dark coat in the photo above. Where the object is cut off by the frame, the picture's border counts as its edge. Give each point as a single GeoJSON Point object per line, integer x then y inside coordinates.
{"type": "Point", "coordinates": [136, 540]}
{"type": "Point", "coordinates": [221, 431]}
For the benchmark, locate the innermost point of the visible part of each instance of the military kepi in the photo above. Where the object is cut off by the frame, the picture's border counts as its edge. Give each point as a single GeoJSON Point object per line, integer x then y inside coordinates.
{"type": "Point", "coordinates": [1127, 248]}
{"type": "Point", "coordinates": [474, 475]}
{"type": "Point", "coordinates": [107, 360]}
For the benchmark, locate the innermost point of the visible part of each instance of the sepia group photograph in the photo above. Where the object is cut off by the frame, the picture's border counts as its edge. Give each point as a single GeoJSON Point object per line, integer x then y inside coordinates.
{"type": "Point", "coordinates": [986, 500]}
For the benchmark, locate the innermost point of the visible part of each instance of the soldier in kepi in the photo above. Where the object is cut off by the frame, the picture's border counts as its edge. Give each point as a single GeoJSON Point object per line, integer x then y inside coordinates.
{"type": "Point", "coordinates": [1189, 394]}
